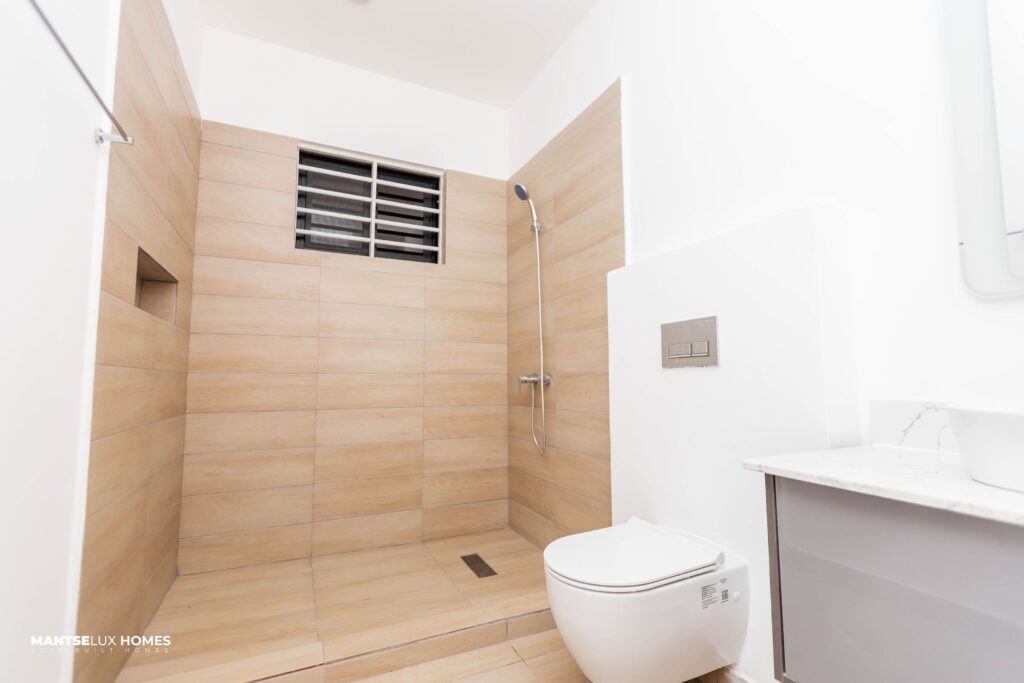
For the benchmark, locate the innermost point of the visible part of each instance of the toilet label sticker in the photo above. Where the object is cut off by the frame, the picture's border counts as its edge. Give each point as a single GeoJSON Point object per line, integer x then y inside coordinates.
{"type": "Point", "coordinates": [714, 594]}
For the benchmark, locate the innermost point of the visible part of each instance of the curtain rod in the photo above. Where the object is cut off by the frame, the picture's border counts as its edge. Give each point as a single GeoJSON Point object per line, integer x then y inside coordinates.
{"type": "Point", "coordinates": [100, 135]}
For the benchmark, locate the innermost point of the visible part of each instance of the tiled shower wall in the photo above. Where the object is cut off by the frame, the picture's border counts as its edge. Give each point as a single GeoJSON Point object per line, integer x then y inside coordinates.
{"type": "Point", "coordinates": [337, 402]}
{"type": "Point", "coordinates": [576, 182]}
{"type": "Point", "coordinates": [138, 426]}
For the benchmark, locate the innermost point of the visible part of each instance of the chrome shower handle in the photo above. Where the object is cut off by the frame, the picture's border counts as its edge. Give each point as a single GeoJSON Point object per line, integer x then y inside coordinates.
{"type": "Point", "coordinates": [534, 379]}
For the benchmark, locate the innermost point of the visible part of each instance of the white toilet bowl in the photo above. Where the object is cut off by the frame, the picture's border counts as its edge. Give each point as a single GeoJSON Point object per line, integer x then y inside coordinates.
{"type": "Point", "coordinates": [638, 602]}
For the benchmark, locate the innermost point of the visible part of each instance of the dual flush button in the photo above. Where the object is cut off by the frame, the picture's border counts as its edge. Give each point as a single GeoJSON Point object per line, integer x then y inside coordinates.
{"type": "Point", "coordinates": [695, 349]}
{"type": "Point", "coordinates": [690, 343]}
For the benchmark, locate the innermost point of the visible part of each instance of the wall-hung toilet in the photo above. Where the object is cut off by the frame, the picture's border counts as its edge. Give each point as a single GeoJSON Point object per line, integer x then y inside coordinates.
{"type": "Point", "coordinates": [638, 602]}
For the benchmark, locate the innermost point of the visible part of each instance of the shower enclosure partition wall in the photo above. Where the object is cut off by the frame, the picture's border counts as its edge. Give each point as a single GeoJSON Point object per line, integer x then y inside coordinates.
{"type": "Point", "coordinates": [535, 380]}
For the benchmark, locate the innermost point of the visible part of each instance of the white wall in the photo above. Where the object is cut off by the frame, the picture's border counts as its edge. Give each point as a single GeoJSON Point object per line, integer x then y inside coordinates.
{"type": "Point", "coordinates": [255, 84]}
{"type": "Point", "coordinates": [781, 294]}
{"type": "Point", "coordinates": [739, 111]}
{"type": "Point", "coordinates": [52, 181]}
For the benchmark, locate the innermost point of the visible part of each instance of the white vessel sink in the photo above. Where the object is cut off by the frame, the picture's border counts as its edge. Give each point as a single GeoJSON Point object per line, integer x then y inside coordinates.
{"type": "Point", "coordinates": [991, 444]}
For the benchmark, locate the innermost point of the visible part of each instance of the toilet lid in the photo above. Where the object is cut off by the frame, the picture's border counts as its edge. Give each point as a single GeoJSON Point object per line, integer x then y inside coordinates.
{"type": "Point", "coordinates": [630, 555]}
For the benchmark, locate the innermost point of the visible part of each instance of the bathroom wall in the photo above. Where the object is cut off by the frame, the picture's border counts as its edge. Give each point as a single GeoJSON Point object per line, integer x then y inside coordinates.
{"type": "Point", "coordinates": [735, 112]}
{"type": "Point", "coordinates": [138, 423]}
{"type": "Point", "coordinates": [50, 276]}
{"type": "Point", "coordinates": [576, 183]}
{"type": "Point", "coordinates": [337, 402]}
{"type": "Point", "coordinates": [251, 83]}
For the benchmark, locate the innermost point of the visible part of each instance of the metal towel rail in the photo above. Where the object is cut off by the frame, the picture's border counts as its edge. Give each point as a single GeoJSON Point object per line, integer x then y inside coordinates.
{"type": "Point", "coordinates": [100, 135]}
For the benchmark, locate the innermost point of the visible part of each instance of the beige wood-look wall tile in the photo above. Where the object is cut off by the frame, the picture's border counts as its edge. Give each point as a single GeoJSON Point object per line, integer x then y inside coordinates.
{"type": "Point", "coordinates": [247, 167]}
{"type": "Point", "coordinates": [455, 423]}
{"type": "Point", "coordinates": [536, 528]}
{"type": "Point", "coordinates": [586, 392]}
{"type": "Point", "coordinates": [218, 513]}
{"type": "Point", "coordinates": [148, 162]}
{"type": "Point", "coordinates": [464, 295]}
{"type": "Point", "coordinates": [467, 235]}
{"type": "Point", "coordinates": [457, 180]}
{"type": "Point", "coordinates": [586, 310]}
{"type": "Point", "coordinates": [222, 392]}
{"type": "Point", "coordinates": [247, 138]}
{"type": "Point", "coordinates": [232, 202]}
{"type": "Point", "coordinates": [234, 277]}
{"type": "Point", "coordinates": [111, 604]}
{"type": "Point", "coordinates": [465, 486]}
{"type": "Point", "coordinates": [573, 197]}
{"type": "Point", "coordinates": [584, 475]}
{"type": "Point", "coordinates": [149, 22]}
{"type": "Point", "coordinates": [466, 326]}
{"type": "Point", "coordinates": [586, 270]}
{"type": "Point", "coordinates": [251, 353]}
{"type": "Point", "coordinates": [120, 258]}
{"type": "Point", "coordinates": [121, 462]}
{"type": "Point", "coordinates": [378, 390]}
{"type": "Point", "coordinates": [364, 497]}
{"type": "Point", "coordinates": [474, 206]}
{"type": "Point", "coordinates": [359, 533]}
{"type": "Point", "coordinates": [522, 454]}
{"type": "Point", "coordinates": [221, 432]}
{"type": "Point", "coordinates": [130, 397]}
{"type": "Point", "coordinates": [593, 225]}
{"type": "Point", "coordinates": [577, 513]}
{"type": "Point", "coordinates": [344, 285]}
{"type": "Point", "coordinates": [132, 210]}
{"type": "Point", "coordinates": [522, 322]}
{"type": "Point", "coordinates": [584, 351]}
{"type": "Point", "coordinates": [448, 455]}
{"type": "Point", "coordinates": [354, 321]}
{"type": "Point", "coordinates": [540, 496]}
{"type": "Point", "coordinates": [352, 262]}
{"type": "Point", "coordinates": [243, 548]}
{"type": "Point", "coordinates": [111, 534]}
{"type": "Point", "coordinates": [466, 358]}
{"type": "Point", "coordinates": [213, 314]}
{"type": "Point", "coordinates": [369, 425]}
{"type": "Point", "coordinates": [246, 470]}
{"type": "Point", "coordinates": [369, 355]}
{"type": "Point", "coordinates": [465, 390]}
{"type": "Point", "coordinates": [163, 495]}
{"type": "Point", "coordinates": [475, 266]}
{"type": "Point", "coordinates": [580, 432]}
{"type": "Point", "coordinates": [356, 461]}
{"type": "Point", "coordinates": [130, 337]}
{"type": "Point", "coordinates": [183, 318]}
{"type": "Point", "coordinates": [470, 518]}
{"type": "Point", "coordinates": [251, 242]}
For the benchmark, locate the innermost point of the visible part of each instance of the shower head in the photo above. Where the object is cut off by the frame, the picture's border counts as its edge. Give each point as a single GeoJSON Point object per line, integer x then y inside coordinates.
{"type": "Point", "coordinates": [525, 196]}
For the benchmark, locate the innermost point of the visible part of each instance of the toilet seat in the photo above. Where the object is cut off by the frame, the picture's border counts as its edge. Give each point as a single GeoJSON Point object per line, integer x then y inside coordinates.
{"type": "Point", "coordinates": [629, 558]}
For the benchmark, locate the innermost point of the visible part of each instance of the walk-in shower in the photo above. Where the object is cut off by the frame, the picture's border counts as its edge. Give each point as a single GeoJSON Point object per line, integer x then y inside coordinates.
{"type": "Point", "coordinates": [541, 379]}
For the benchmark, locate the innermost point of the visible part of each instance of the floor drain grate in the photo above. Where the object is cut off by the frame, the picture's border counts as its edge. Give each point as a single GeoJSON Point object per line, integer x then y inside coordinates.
{"type": "Point", "coordinates": [479, 567]}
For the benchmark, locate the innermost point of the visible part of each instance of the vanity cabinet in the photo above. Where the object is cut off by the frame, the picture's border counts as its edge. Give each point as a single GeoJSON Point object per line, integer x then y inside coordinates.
{"type": "Point", "coordinates": [868, 589]}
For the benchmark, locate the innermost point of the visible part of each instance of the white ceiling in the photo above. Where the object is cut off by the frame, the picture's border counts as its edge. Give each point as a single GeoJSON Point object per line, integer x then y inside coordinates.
{"type": "Point", "coordinates": [484, 50]}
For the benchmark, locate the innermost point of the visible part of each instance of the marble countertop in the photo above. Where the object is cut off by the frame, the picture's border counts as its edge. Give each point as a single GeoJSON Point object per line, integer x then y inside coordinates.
{"type": "Point", "coordinates": [934, 479]}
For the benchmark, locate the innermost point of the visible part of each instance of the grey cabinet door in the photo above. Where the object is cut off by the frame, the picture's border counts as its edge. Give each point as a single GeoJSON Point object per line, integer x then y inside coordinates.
{"type": "Point", "coordinates": [874, 590]}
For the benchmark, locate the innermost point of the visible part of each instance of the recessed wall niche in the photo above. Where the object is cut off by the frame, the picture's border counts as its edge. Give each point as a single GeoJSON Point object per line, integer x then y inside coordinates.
{"type": "Point", "coordinates": [156, 290]}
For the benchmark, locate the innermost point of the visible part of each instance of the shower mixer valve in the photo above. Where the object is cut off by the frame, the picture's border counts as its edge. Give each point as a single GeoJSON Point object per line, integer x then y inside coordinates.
{"type": "Point", "coordinates": [534, 379]}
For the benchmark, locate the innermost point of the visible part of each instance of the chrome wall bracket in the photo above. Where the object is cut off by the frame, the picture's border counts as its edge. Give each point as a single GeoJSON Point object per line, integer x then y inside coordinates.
{"type": "Point", "coordinates": [101, 136]}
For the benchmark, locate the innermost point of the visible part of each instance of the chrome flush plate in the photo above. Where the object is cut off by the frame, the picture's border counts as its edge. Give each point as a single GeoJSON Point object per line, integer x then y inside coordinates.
{"type": "Point", "coordinates": [690, 343]}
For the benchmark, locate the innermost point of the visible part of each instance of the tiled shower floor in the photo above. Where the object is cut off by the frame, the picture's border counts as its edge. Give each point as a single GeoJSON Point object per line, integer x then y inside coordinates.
{"type": "Point", "coordinates": [355, 615]}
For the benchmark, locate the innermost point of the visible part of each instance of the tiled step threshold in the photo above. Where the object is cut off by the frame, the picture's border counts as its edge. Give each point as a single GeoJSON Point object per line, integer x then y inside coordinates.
{"type": "Point", "coordinates": [419, 651]}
